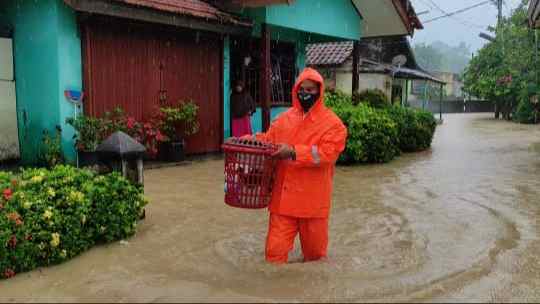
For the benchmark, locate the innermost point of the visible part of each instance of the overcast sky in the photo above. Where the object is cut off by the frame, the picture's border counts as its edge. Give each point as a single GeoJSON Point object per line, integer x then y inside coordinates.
{"type": "Point", "coordinates": [462, 27]}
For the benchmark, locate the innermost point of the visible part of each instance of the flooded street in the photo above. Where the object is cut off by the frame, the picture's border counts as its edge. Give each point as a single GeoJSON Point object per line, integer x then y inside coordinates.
{"type": "Point", "coordinates": [458, 223]}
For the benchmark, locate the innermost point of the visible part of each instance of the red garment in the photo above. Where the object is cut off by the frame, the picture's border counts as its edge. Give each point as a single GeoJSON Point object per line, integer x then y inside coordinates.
{"type": "Point", "coordinates": [283, 229]}
{"type": "Point", "coordinates": [241, 126]}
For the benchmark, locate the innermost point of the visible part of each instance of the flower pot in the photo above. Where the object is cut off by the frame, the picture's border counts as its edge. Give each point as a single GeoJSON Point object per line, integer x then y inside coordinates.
{"type": "Point", "coordinates": [88, 159]}
{"type": "Point", "coordinates": [172, 151]}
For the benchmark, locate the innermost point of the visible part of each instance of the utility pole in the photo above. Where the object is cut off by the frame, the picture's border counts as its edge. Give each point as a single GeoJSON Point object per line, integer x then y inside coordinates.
{"type": "Point", "coordinates": [499, 23]}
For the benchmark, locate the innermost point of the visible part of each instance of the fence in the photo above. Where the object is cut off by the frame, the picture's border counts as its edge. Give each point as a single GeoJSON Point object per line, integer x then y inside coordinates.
{"type": "Point", "coordinates": [454, 106]}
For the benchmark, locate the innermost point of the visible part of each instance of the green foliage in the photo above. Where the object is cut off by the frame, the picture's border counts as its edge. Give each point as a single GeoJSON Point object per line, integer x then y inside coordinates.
{"type": "Point", "coordinates": [374, 98]}
{"type": "Point", "coordinates": [51, 153]}
{"type": "Point", "coordinates": [415, 128]}
{"type": "Point", "coordinates": [49, 216]}
{"type": "Point", "coordinates": [504, 67]}
{"type": "Point", "coordinates": [372, 135]}
{"type": "Point", "coordinates": [439, 56]}
{"type": "Point", "coordinates": [89, 132]}
{"type": "Point", "coordinates": [527, 111]}
{"type": "Point", "coordinates": [379, 135]}
{"type": "Point", "coordinates": [172, 119]}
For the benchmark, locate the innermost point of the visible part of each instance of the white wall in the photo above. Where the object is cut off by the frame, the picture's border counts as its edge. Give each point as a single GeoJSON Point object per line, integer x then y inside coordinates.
{"type": "Point", "coordinates": [9, 137]}
{"type": "Point", "coordinates": [367, 82]}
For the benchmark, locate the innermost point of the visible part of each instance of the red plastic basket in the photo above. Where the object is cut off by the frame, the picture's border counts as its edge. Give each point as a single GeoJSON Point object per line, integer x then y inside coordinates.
{"type": "Point", "coordinates": [249, 173]}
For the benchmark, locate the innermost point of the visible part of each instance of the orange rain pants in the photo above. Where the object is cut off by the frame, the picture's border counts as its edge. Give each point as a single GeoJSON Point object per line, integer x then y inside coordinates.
{"type": "Point", "coordinates": [283, 229]}
{"type": "Point", "coordinates": [303, 187]}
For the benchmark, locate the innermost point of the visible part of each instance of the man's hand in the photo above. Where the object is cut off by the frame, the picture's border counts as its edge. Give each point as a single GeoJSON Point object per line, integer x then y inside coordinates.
{"type": "Point", "coordinates": [284, 152]}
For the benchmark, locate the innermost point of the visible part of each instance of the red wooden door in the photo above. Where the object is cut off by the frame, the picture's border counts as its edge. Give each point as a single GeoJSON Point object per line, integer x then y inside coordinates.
{"type": "Point", "coordinates": [128, 65]}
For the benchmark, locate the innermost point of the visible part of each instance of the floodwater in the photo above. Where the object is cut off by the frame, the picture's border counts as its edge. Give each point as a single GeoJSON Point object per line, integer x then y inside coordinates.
{"type": "Point", "coordinates": [457, 223]}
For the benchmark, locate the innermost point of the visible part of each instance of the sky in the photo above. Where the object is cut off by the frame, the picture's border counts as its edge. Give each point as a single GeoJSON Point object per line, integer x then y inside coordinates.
{"type": "Point", "coordinates": [461, 27]}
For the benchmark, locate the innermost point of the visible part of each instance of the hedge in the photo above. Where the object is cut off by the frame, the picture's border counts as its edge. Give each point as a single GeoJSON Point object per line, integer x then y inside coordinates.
{"type": "Point", "coordinates": [378, 135]}
{"type": "Point", "coordinates": [50, 216]}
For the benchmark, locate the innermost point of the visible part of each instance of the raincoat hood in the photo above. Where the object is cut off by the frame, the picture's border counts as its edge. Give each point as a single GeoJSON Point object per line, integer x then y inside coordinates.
{"type": "Point", "coordinates": [308, 74]}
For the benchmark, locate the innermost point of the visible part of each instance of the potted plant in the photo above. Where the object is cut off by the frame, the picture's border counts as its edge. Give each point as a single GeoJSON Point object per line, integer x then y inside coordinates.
{"type": "Point", "coordinates": [89, 132]}
{"type": "Point", "coordinates": [176, 123]}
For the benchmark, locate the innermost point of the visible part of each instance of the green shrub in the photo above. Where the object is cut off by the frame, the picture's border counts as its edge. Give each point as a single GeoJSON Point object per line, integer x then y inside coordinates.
{"type": "Point", "coordinates": [374, 98]}
{"type": "Point", "coordinates": [371, 135]}
{"type": "Point", "coordinates": [415, 128]}
{"type": "Point", "coordinates": [525, 112]}
{"type": "Point", "coordinates": [49, 216]}
{"type": "Point", "coordinates": [335, 99]}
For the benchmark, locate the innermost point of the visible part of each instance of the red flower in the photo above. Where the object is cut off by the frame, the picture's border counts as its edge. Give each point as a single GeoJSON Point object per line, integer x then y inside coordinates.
{"type": "Point", "coordinates": [1, 206]}
{"type": "Point", "coordinates": [131, 122]}
{"type": "Point", "coordinates": [8, 273]}
{"type": "Point", "coordinates": [12, 241]}
{"type": "Point", "coordinates": [7, 194]}
{"type": "Point", "coordinates": [160, 136]}
{"type": "Point", "coordinates": [18, 222]}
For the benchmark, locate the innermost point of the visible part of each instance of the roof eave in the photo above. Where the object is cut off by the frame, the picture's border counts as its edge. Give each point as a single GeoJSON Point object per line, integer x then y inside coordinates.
{"type": "Point", "coordinates": [121, 10]}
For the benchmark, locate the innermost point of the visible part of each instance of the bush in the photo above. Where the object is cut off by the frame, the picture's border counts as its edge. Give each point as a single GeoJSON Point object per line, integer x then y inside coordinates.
{"type": "Point", "coordinates": [371, 135]}
{"type": "Point", "coordinates": [49, 216]}
{"type": "Point", "coordinates": [525, 112]}
{"type": "Point", "coordinates": [378, 135]}
{"type": "Point", "coordinates": [415, 128]}
{"type": "Point", "coordinates": [374, 98]}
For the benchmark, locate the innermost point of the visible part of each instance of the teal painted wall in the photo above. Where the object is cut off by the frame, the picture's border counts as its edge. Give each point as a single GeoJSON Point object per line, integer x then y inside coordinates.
{"type": "Point", "coordinates": [227, 87]}
{"type": "Point", "coordinates": [332, 18]}
{"type": "Point", "coordinates": [256, 119]}
{"type": "Point", "coordinates": [47, 61]}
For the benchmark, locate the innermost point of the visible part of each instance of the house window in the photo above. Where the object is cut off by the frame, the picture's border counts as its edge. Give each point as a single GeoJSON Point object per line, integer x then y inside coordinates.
{"type": "Point", "coordinates": [284, 71]}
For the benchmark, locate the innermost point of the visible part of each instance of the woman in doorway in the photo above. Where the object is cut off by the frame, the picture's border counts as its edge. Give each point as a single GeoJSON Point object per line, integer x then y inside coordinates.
{"type": "Point", "coordinates": [242, 107]}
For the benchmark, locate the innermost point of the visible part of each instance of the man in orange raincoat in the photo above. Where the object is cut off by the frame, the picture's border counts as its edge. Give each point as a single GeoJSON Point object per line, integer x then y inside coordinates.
{"type": "Point", "coordinates": [310, 139]}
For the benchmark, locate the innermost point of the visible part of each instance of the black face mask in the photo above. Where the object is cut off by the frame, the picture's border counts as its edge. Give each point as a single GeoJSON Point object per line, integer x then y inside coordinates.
{"type": "Point", "coordinates": [307, 100]}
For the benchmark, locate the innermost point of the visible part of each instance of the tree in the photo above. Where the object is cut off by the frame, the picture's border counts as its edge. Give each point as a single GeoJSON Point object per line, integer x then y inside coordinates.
{"type": "Point", "coordinates": [502, 69]}
{"type": "Point", "coordinates": [428, 57]}
{"type": "Point", "coordinates": [440, 56]}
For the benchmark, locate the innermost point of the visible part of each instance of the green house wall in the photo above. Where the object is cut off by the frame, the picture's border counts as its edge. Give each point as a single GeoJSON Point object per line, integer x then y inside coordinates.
{"type": "Point", "coordinates": [47, 54]}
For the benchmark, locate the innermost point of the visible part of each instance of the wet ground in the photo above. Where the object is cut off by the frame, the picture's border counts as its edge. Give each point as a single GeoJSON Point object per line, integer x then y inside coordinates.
{"type": "Point", "coordinates": [458, 223]}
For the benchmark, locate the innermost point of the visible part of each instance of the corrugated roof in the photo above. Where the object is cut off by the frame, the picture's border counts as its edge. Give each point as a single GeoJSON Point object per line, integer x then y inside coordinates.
{"type": "Point", "coordinates": [194, 8]}
{"type": "Point", "coordinates": [334, 53]}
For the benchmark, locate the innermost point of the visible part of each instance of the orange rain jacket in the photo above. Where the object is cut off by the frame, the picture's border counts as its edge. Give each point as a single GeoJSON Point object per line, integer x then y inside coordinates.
{"type": "Point", "coordinates": [303, 187]}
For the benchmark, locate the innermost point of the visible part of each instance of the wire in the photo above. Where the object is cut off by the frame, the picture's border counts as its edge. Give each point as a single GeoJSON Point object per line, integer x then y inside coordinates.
{"type": "Point", "coordinates": [458, 11]}
{"type": "Point", "coordinates": [434, 5]}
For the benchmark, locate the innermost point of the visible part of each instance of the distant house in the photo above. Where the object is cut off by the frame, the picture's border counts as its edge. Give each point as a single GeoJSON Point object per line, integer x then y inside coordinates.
{"type": "Point", "coordinates": [335, 61]}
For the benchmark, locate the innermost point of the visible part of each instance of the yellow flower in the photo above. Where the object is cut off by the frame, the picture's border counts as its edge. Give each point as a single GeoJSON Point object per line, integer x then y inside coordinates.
{"type": "Point", "coordinates": [76, 196]}
{"type": "Point", "coordinates": [47, 214]}
{"type": "Point", "coordinates": [27, 205]}
{"type": "Point", "coordinates": [37, 179]}
{"type": "Point", "coordinates": [55, 241]}
{"type": "Point", "coordinates": [41, 246]}
{"type": "Point", "coordinates": [63, 254]}
{"type": "Point", "coordinates": [51, 192]}
{"type": "Point", "coordinates": [83, 219]}
{"type": "Point", "coordinates": [102, 228]}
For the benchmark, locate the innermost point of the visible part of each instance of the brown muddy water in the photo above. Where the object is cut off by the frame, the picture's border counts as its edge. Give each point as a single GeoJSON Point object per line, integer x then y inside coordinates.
{"type": "Point", "coordinates": [458, 223]}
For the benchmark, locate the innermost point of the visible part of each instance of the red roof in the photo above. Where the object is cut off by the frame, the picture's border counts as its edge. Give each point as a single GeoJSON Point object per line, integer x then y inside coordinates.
{"type": "Point", "coordinates": [194, 8]}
